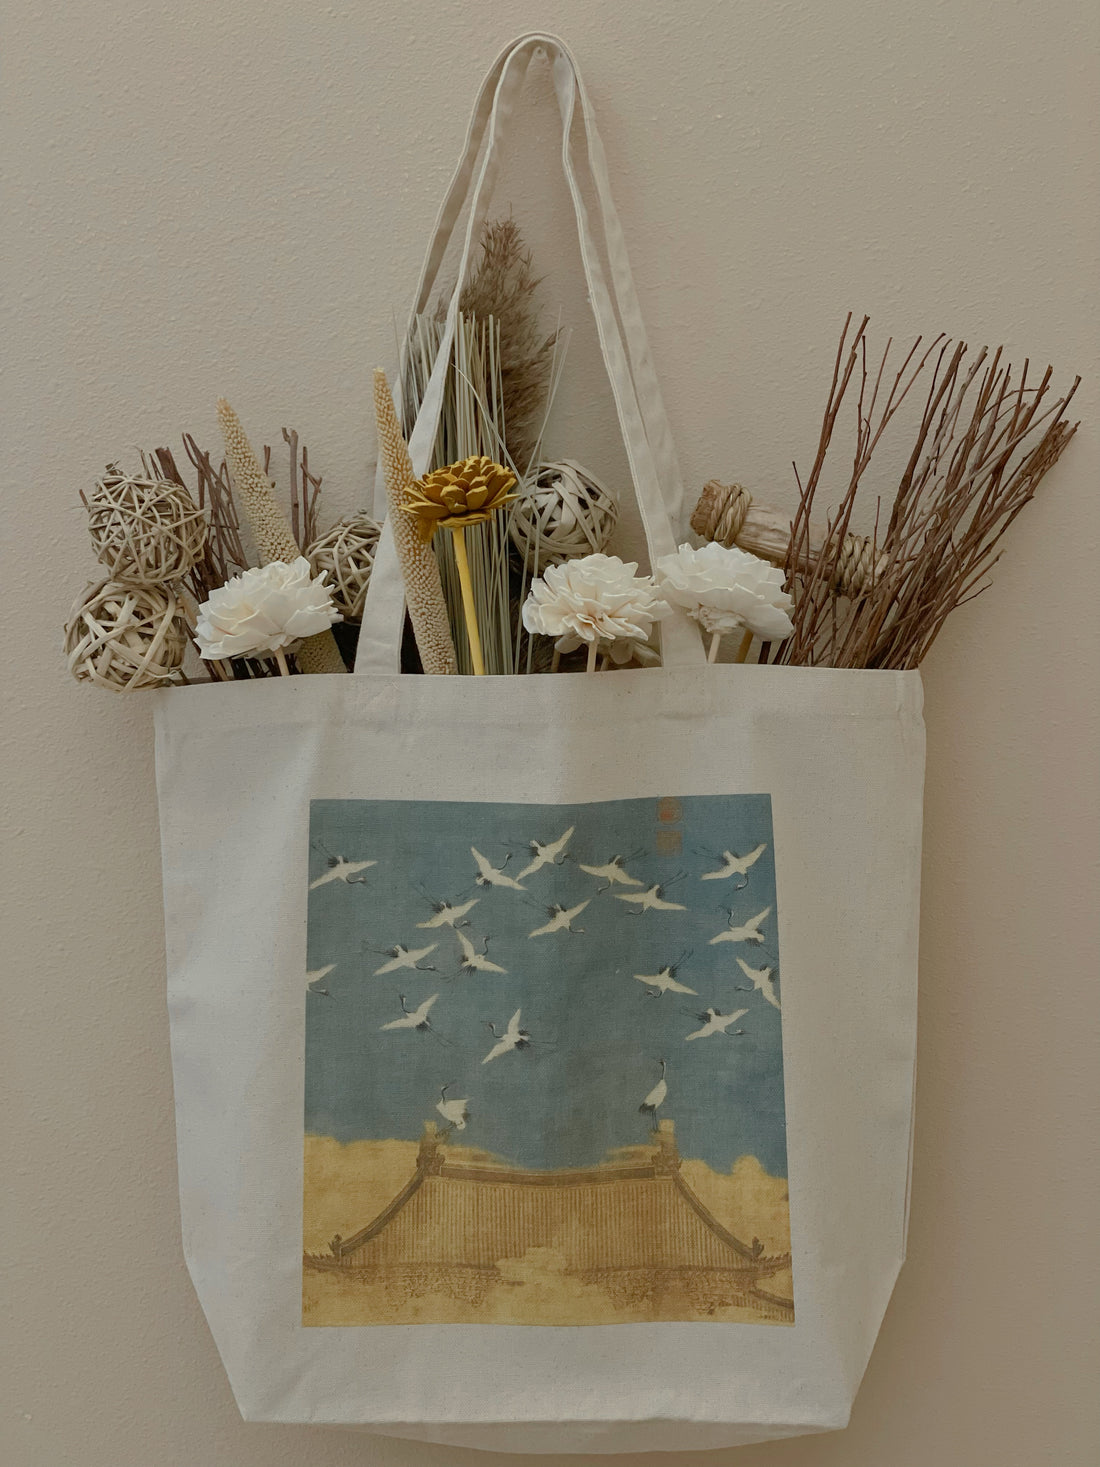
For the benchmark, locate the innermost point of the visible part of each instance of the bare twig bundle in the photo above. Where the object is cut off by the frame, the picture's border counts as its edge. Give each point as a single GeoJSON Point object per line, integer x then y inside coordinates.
{"type": "Point", "coordinates": [503, 287]}
{"type": "Point", "coordinates": [305, 488]}
{"type": "Point", "coordinates": [982, 446]}
{"type": "Point", "coordinates": [223, 554]}
{"type": "Point", "coordinates": [274, 539]}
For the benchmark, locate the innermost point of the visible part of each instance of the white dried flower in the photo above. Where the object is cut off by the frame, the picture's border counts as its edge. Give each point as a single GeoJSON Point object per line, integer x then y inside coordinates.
{"type": "Point", "coordinates": [727, 589]}
{"type": "Point", "coordinates": [264, 610]}
{"type": "Point", "coordinates": [596, 599]}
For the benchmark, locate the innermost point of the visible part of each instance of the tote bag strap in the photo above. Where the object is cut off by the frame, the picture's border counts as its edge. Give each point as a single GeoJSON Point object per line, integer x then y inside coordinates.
{"type": "Point", "coordinates": [642, 420]}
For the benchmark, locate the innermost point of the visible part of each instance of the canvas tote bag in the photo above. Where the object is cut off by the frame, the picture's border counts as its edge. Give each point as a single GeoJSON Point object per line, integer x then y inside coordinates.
{"type": "Point", "coordinates": [543, 1046]}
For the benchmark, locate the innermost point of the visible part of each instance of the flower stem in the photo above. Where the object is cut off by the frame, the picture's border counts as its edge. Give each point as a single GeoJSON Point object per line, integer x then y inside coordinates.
{"type": "Point", "coordinates": [469, 607]}
{"type": "Point", "coordinates": [280, 660]}
{"type": "Point", "coordinates": [593, 649]}
{"type": "Point", "coordinates": [555, 661]}
{"type": "Point", "coordinates": [743, 650]}
{"type": "Point", "coordinates": [712, 654]}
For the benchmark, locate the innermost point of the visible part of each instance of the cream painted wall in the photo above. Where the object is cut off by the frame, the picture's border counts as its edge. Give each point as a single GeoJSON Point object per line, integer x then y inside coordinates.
{"type": "Point", "coordinates": [234, 198]}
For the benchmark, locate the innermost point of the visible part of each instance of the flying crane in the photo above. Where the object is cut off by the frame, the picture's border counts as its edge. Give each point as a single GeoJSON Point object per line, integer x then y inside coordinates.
{"type": "Point", "coordinates": [472, 960]}
{"type": "Point", "coordinates": [715, 1023]}
{"type": "Point", "coordinates": [406, 957]}
{"type": "Point", "coordinates": [413, 1018]}
{"type": "Point", "coordinates": [489, 875]}
{"type": "Point", "coordinates": [744, 931]}
{"type": "Point", "coordinates": [734, 865]}
{"type": "Point", "coordinates": [561, 920]}
{"type": "Point", "coordinates": [547, 855]}
{"type": "Point", "coordinates": [762, 981]}
{"type": "Point", "coordinates": [513, 1038]}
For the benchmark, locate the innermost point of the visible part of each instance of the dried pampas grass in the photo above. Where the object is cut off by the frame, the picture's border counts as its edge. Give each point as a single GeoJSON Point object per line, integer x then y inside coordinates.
{"type": "Point", "coordinates": [503, 287]}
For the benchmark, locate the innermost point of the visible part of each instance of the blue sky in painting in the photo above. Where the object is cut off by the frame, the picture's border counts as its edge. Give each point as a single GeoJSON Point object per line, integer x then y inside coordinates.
{"type": "Point", "coordinates": [573, 1094]}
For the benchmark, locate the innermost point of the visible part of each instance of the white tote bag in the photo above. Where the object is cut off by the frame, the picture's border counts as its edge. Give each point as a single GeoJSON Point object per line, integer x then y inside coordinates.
{"type": "Point", "coordinates": [543, 1046]}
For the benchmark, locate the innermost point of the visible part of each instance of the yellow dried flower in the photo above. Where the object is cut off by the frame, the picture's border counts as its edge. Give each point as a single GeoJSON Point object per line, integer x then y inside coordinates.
{"type": "Point", "coordinates": [462, 494]}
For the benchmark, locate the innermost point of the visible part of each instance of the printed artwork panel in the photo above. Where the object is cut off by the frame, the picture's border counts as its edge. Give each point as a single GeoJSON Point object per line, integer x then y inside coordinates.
{"type": "Point", "coordinates": [544, 1064]}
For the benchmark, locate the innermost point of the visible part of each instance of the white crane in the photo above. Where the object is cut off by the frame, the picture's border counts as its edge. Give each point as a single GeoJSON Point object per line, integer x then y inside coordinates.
{"type": "Point", "coordinates": [612, 873]}
{"type": "Point", "coordinates": [744, 931]}
{"type": "Point", "coordinates": [652, 900]}
{"type": "Point", "coordinates": [341, 869]}
{"type": "Point", "coordinates": [561, 920]}
{"type": "Point", "coordinates": [513, 1038]}
{"type": "Point", "coordinates": [413, 1018]}
{"type": "Point", "coordinates": [762, 981]}
{"type": "Point", "coordinates": [656, 1097]}
{"type": "Point", "coordinates": [473, 961]}
{"type": "Point", "coordinates": [547, 855]}
{"type": "Point", "coordinates": [488, 875]}
{"type": "Point", "coordinates": [454, 1112]}
{"type": "Point", "coordinates": [406, 957]}
{"type": "Point", "coordinates": [444, 915]}
{"type": "Point", "coordinates": [734, 865]}
{"type": "Point", "coordinates": [715, 1023]}
{"type": "Point", "coordinates": [314, 977]}
{"type": "Point", "coordinates": [665, 981]}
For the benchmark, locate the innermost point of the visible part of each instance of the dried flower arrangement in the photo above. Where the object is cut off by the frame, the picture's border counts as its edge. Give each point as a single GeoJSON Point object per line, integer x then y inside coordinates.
{"type": "Point", "coordinates": [522, 579]}
{"type": "Point", "coordinates": [181, 573]}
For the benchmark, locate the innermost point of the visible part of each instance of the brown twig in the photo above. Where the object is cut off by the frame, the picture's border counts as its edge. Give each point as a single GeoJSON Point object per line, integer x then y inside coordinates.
{"type": "Point", "coordinates": [982, 445]}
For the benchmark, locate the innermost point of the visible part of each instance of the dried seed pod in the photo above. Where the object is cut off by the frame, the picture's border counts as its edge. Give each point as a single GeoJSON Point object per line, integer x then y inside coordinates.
{"type": "Point", "coordinates": [145, 530]}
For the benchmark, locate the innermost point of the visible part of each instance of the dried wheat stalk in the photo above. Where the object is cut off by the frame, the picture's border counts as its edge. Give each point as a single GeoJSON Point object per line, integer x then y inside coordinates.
{"type": "Point", "coordinates": [423, 592]}
{"type": "Point", "coordinates": [981, 448]}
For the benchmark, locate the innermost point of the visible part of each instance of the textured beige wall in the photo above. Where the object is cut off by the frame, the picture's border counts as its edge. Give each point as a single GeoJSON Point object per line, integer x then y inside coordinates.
{"type": "Point", "coordinates": [211, 198]}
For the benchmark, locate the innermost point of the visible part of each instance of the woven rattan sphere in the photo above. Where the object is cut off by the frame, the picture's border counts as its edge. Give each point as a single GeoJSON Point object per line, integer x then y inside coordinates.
{"type": "Point", "coordinates": [122, 637]}
{"type": "Point", "coordinates": [346, 552]}
{"type": "Point", "coordinates": [564, 513]}
{"type": "Point", "coordinates": [145, 531]}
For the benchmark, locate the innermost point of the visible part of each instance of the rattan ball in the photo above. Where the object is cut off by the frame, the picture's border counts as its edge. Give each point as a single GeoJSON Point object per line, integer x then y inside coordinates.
{"type": "Point", "coordinates": [144, 530]}
{"type": "Point", "coordinates": [123, 637]}
{"type": "Point", "coordinates": [565, 512]}
{"type": "Point", "coordinates": [346, 552]}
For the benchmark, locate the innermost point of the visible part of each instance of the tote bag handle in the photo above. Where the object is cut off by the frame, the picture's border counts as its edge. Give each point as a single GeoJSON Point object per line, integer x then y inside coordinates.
{"type": "Point", "coordinates": [644, 426]}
